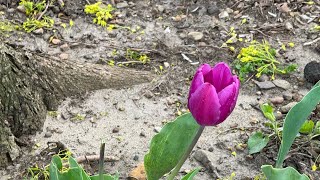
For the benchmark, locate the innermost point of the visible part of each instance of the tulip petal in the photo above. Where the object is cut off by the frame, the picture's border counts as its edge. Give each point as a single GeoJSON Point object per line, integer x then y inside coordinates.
{"type": "Point", "coordinates": [204, 105]}
{"type": "Point", "coordinates": [228, 98]}
{"type": "Point", "coordinates": [198, 78]}
{"type": "Point", "coordinates": [220, 76]}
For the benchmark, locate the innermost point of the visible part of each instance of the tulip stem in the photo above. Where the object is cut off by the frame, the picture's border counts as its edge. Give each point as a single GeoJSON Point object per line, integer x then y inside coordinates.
{"type": "Point", "coordinates": [176, 170]}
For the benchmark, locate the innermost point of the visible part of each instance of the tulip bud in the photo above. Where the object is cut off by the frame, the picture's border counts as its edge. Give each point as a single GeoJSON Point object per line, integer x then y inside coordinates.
{"type": "Point", "coordinates": [213, 94]}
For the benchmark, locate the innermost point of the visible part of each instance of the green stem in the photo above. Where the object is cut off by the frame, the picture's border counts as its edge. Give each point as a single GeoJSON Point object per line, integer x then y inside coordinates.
{"type": "Point", "coordinates": [101, 160]}
{"type": "Point", "coordinates": [175, 171]}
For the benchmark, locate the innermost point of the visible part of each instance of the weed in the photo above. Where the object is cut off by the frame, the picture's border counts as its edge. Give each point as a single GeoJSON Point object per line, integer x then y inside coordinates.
{"type": "Point", "coordinates": [78, 117]}
{"type": "Point", "coordinates": [7, 27]}
{"type": "Point", "coordinates": [32, 11]}
{"type": "Point", "coordinates": [101, 11]}
{"type": "Point", "coordinates": [133, 55]}
{"type": "Point", "coordinates": [259, 58]}
{"type": "Point", "coordinates": [53, 113]}
{"type": "Point", "coordinates": [32, 24]}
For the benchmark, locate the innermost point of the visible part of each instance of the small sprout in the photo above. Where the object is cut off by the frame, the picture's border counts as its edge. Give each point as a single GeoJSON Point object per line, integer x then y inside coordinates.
{"type": "Point", "coordinates": [78, 117]}
{"type": "Point", "coordinates": [111, 27]}
{"type": "Point", "coordinates": [53, 113]}
{"type": "Point", "coordinates": [291, 44]}
{"type": "Point", "coordinates": [63, 25]}
{"type": "Point", "coordinates": [232, 48]}
{"type": "Point", "coordinates": [314, 167]}
{"type": "Point", "coordinates": [234, 153]}
{"type": "Point", "coordinates": [283, 46]}
{"type": "Point", "coordinates": [71, 23]}
{"type": "Point", "coordinates": [240, 39]}
{"type": "Point", "coordinates": [111, 62]}
{"type": "Point", "coordinates": [243, 21]}
{"type": "Point", "coordinates": [310, 3]}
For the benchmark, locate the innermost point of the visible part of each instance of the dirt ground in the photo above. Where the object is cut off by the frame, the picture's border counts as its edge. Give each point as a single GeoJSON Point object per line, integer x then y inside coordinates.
{"type": "Point", "coordinates": [167, 31]}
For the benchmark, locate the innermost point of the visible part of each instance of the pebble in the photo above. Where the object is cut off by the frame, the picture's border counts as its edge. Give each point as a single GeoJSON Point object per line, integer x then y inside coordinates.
{"type": "Point", "coordinates": [289, 26]}
{"type": "Point", "coordinates": [263, 78]}
{"type": "Point", "coordinates": [265, 85]}
{"type": "Point", "coordinates": [278, 115]}
{"type": "Point", "coordinates": [282, 84]}
{"type": "Point", "coordinates": [160, 8]}
{"type": "Point", "coordinates": [64, 47]}
{"type": "Point", "coordinates": [166, 64]}
{"type": "Point", "coordinates": [122, 5]}
{"type": "Point", "coordinates": [157, 129]}
{"type": "Point", "coordinates": [148, 94]}
{"type": "Point", "coordinates": [121, 108]}
{"type": "Point", "coordinates": [277, 100]}
{"type": "Point", "coordinates": [213, 10]}
{"type": "Point", "coordinates": [115, 130]}
{"type": "Point", "coordinates": [47, 134]}
{"type": "Point", "coordinates": [196, 35]}
{"type": "Point", "coordinates": [286, 108]}
{"type": "Point", "coordinates": [135, 157]}
{"type": "Point", "coordinates": [210, 149]}
{"type": "Point", "coordinates": [64, 56]}
{"type": "Point", "coordinates": [38, 31]}
{"type": "Point", "coordinates": [287, 95]}
{"type": "Point", "coordinates": [224, 15]}
{"type": "Point", "coordinates": [56, 41]}
{"type": "Point", "coordinates": [10, 10]}
{"type": "Point", "coordinates": [258, 93]}
{"type": "Point", "coordinates": [142, 134]}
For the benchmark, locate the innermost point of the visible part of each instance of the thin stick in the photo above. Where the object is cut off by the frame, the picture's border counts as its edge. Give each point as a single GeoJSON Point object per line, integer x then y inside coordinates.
{"type": "Point", "coordinates": [45, 10]}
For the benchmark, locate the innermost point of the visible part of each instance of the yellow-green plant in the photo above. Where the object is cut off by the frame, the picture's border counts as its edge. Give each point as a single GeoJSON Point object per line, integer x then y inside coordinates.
{"type": "Point", "coordinates": [32, 24]}
{"type": "Point", "coordinates": [101, 12]}
{"type": "Point", "coordinates": [260, 58]}
{"type": "Point", "coordinates": [137, 56]}
{"type": "Point", "coordinates": [32, 8]}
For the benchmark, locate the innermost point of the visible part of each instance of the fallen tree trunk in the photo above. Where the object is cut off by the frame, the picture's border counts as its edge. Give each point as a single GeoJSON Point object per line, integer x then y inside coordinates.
{"type": "Point", "coordinates": [30, 85]}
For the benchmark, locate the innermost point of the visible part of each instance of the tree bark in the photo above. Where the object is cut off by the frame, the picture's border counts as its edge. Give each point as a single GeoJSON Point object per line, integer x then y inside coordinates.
{"type": "Point", "coordinates": [30, 85]}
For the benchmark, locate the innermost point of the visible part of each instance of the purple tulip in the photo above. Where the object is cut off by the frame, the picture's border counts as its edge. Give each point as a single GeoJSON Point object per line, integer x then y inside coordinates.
{"type": "Point", "coordinates": [213, 94]}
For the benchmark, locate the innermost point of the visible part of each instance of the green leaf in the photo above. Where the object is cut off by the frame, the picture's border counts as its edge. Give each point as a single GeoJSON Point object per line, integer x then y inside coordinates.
{"type": "Point", "coordinates": [295, 119]}
{"type": "Point", "coordinates": [267, 111]}
{"type": "Point", "coordinates": [288, 173]}
{"type": "Point", "coordinates": [317, 128]}
{"type": "Point", "coordinates": [73, 164]}
{"type": "Point", "coordinates": [191, 174]}
{"type": "Point", "coordinates": [307, 127]}
{"type": "Point", "coordinates": [168, 146]}
{"type": "Point", "coordinates": [105, 177]}
{"type": "Point", "coordinates": [257, 142]}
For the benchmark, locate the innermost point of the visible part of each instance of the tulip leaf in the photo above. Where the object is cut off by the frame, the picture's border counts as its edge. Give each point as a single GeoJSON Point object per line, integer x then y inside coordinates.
{"type": "Point", "coordinates": [295, 119]}
{"type": "Point", "coordinates": [257, 142]}
{"type": "Point", "coordinates": [169, 145]}
{"type": "Point", "coordinates": [288, 173]}
{"type": "Point", "coordinates": [191, 174]}
{"type": "Point", "coordinates": [307, 127]}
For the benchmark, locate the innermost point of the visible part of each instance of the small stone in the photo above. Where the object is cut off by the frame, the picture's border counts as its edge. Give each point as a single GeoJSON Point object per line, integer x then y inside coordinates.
{"type": "Point", "coordinates": [202, 44]}
{"type": "Point", "coordinates": [64, 47]}
{"type": "Point", "coordinates": [115, 130]}
{"type": "Point", "coordinates": [166, 64]}
{"type": "Point", "coordinates": [38, 31]}
{"type": "Point", "coordinates": [64, 56]}
{"type": "Point", "coordinates": [277, 100]}
{"type": "Point", "coordinates": [121, 108]}
{"type": "Point", "coordinates": [289, 26]}
{"type": "Point", "coordinates": [282, 84]}
{"type": "Point", "coordinates": [10, 10]}
{"type": "Point", "coordinates": [142, 134]}
{"type": "Point", "coordinates": [210, 149]}
{"type": "Point", "coordinates": [263, 78]}
{"type": "Point", "coordinates": [157, 129]}
{"type": "Point", "coordinates": [287, 95]}
{"type": "Point", "coordinates": [88, 56]}
{"type": "Point", "coordinates": [56, 41]}
{"type": "Point", "coordinates": [265, 85]}
{"type": "Point", "coordinates": [47, 134]}
{"type": "Point", "coordinates": [136, 158]}
{"type": "Point", "coordinates": [312, 72]}
{"type": "Point", "coordinates": [286, 108]}
{"type": "Point", "coordinates": [59, 131]}
{"type": "Point", "coordinates": [297, 97]}
{"type": "Point", "coordinates": [196, 35]}
{"type": "Point", "coordinates": [278, 115]}
{"type": "Point", "coordinates": [148, 94]}
{"type": "Point", "coordinates": [224, 15]}
{"type": "Point", "coordinates": [160, 8]}
{"type": "Point", "coordinates": [182, 35]}
{"type": "Point", "coordinates": [122, 5]}
{"type": "Point", "coordinates": [213, 10]}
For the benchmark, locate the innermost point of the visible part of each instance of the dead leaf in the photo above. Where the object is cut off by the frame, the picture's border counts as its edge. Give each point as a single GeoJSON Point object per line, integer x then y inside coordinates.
{"type": "Point", "coordinates": [283, 7]}
{"type": "Point", "coordinates": [138, 173]}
